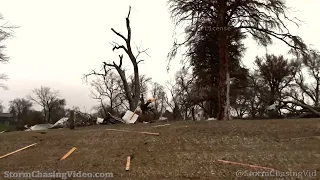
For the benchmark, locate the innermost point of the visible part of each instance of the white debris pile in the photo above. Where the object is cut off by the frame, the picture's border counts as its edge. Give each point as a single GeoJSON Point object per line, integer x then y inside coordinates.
{"type": "Point", "coordinates": [130, 117]}
{"type": "Point", "coordinates": [63, 122]}
{"type": "Point", "coordinates": [272, 107]}
{"type": "Point", "coordinates": [40, 127]}
{"type": "Point", "coordinates": [99, 120]}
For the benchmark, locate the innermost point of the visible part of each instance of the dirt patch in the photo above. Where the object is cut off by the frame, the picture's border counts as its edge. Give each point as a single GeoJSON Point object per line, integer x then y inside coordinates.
{"type": "Point", "coordinates": [184, 150]}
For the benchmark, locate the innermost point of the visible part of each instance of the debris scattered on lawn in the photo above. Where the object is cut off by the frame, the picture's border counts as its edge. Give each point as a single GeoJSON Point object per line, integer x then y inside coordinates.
{"type": "Point", "coordinates": [130, 117]}
{"type": "Point", "coordinates": [150, 133]}
{"type": "Point", "coordinates": [61, 123]}
{"type": "Point", "coordinates": [17, 150]}
{"type": "Point", "coordinates": [163, 119]}
{"type": "Point", "coordinates": [128, 163]}
{"type": "Point", "coordinates": [99, 120]}
{"type": "Point", "coordinates": [116, 118]}
{"type": "Point", "coordinates": [161, 125]}
{"type": "Point", "coordinates": [242, 164]}
{"type": "Point", "coordinates": [68, 154]}
{"type": "Point", "coordinates": [40, 127]}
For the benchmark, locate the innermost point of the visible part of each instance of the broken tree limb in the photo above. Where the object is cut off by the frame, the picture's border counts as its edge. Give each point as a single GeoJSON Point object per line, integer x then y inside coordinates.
{"type": "Point", "coordinates": [150, 133]}
{"type": "Point", "coordinates": [135, 111]}
{"type": "Point", "coordinates": [116, 118]}
{"type": "Point", "coordinates": [68, 154]}
{"type": "Point", "coordinates": [17, 150]}
{"type": "Point", "coordinates": [128, 163]}
{"type": "Point", "coordinates": [242, 164]}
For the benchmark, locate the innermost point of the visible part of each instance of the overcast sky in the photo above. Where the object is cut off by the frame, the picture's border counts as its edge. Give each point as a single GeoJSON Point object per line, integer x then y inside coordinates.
{"type": "Point", "coordinates": [60, 40]}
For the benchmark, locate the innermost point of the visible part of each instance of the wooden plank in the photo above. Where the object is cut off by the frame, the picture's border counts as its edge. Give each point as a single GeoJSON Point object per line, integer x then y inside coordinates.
{"type": "Point", "coordinates": [249, 165]}
{"type": "Point", "coordinates": [128, 163]}
{"type": "Point", "coordinates": [161, 125]}
{"type": "Point", "coordinates": [68, 154]}
{"type": "Point", "coordinates": [17, 150]}
{"type": "Point", "coordinates": [149, 133]}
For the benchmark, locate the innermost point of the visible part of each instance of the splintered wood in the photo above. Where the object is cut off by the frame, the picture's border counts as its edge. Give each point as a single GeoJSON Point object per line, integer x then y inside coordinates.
{"type": "Point", "coordinates": [242, 164]}
{"type": "Point", "coordinates": [149, 133]}
{"type": "Point", "coordinates": [128, 163]}
{"type": "Point", "coordinates": [68, 154]}
{"type": "Point", "coordinates": [17, 150]}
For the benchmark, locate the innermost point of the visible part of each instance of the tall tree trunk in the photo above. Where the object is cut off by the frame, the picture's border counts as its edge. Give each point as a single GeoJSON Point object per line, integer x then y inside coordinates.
{"type": "Point", "coordinates": [223, 60]}
{"type": "Point", "coordinates": [49, 115]}
{"type": "Point", "coordinates": [227, 109]}
{"type": "Point", "coordinates": [104, 109]}
{"type": "Point", "coordinates": [223, 66]}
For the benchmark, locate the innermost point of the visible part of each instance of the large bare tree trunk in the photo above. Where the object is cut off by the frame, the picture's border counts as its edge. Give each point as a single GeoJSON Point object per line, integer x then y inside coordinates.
{"type": "Point", "coordinates": [134, 99]}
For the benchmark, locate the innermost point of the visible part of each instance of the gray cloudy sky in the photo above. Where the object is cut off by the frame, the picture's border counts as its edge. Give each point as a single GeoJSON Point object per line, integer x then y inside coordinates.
{"type": "Point", "coordinates": [60, 40]}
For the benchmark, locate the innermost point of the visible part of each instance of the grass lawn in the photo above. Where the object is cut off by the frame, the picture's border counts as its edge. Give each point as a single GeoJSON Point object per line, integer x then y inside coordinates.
{"type": "Point", "coordinates": [4, 127]}
{"type": "Point", "coordinates": [183, 150]}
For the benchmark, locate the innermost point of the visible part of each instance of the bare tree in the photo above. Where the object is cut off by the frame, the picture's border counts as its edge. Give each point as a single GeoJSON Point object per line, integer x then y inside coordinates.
{"type": "Point", "coordinates": [6, 31]}
{"type": "Point", "coordinates": [310, 90]}
{"type": "Point", "coordinates": [278, 73]}
{"type": "Point", "coordinates": [173, 103]}
{"type": "Point", "coordinates": [21, 107]}
{"type": "Point", "coordinates": [107, 87]}
{"type": "Point", "coordinates": [134, 96]}
{"type": "Point", "coordinates": [185, 81]}
{"type": "Point", "coordinates": [159, 93]}
{"type": "Point", "coordinates": [47, 99]}
{"type": "Point", "coordinates": [3, 77]}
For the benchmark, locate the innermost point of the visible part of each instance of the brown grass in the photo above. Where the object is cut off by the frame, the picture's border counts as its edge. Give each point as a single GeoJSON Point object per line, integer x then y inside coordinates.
{"type": "Point", "coordinates": [184, 150]}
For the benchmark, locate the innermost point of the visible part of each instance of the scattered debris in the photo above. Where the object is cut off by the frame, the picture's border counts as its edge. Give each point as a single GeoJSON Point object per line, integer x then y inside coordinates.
{"type": "Point", "coordinates": [61, 123]}
{"type": "Point", "coordinates": [116, 118]}
{"type": "Point", "coordinates": [242, 164]}
{"type": "Point", "coordinates": [40, 127]}
{"type": "Point", "coordinates": [150, 133]}
{"type": "Point", "coordinates": [68, 154]}
{"type": "Point", "coordinates": [163, 119]}
{"type": "Point", "coordinates": [130, 117]}
{"type": "Point", "coordinates": [161, 125]}
{"type": "Point", "coordinates": [17, 150]}
{"type": "Point", "coordinates": [128, 163]}
{"type": "Point", "coordinates": [211, 119]}
{"type": "Point", "coordinates": [99, 120]}
{"type": "Point", "coordinates": [2, 132]}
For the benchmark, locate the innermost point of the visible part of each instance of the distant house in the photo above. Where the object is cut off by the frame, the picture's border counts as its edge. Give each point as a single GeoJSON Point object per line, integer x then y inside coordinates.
{"type": "Point", "coordinates": [6, 118]}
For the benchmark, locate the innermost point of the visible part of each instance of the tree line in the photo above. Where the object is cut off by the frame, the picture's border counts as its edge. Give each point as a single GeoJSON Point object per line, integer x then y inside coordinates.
{"type": "Point", "coordinates": [213, 82]}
